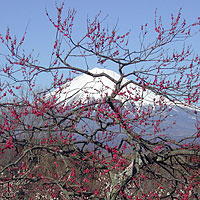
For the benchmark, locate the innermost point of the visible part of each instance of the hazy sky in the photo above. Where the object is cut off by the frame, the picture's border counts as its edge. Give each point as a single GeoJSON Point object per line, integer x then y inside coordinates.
{"type": "Point", "coordinates": [130, 14]}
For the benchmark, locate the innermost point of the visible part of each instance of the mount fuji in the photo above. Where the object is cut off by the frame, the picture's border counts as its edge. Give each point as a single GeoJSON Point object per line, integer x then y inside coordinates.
{"type": "Point", "coordinates": [86, 88]}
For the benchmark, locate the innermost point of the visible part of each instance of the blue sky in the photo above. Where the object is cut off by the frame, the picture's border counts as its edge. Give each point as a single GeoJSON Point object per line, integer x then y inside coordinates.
{"type": "Point", "coordinates": [17, 14]}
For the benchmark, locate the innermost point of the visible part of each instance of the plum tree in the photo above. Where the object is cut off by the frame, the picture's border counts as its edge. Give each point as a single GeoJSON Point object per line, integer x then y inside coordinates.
{"type": "Point", "coordinates": [106, 139]}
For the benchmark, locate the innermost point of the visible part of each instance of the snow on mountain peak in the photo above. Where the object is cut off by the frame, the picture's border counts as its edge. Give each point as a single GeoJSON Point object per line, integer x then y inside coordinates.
{"type": "Point", "coordinates": [85, 87]}
{"type": "Point", "coordinates": [111, 73]}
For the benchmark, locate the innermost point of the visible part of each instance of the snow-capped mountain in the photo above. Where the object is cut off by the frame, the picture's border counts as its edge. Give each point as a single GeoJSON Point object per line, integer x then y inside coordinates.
{"type": "Point", "coordinates": [85, 88]}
